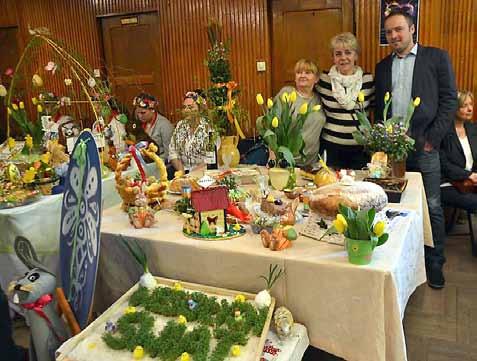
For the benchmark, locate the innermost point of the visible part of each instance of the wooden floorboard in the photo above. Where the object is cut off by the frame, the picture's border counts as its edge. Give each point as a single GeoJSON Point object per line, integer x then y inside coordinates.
{"type": "Point", "coordinates": [441, 325]}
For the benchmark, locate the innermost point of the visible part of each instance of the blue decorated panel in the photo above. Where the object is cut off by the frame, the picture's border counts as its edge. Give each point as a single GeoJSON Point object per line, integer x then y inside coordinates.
{"type": "Point", "coordinates": [80, 227]}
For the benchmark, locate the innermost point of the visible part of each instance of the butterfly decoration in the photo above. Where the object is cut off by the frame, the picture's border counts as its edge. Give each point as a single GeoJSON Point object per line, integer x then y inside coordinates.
{"type": "Point", "coordinates": [212, 220]}
{"type": "Point", "coordinates": [407, 7]}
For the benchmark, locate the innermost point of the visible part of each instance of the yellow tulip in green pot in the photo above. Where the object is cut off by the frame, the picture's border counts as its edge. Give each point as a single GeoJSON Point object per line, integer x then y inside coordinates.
{"type": "Point", "coordinates": [362, 234]}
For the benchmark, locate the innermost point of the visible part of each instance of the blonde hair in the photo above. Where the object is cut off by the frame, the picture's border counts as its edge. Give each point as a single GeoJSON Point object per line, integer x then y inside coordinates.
{"type": "Point", "coordinates": [306, 65]}
{"type": "Point", "coordinates": [347, 40]}
{"type": "Point", "coordinates": [462, 95]}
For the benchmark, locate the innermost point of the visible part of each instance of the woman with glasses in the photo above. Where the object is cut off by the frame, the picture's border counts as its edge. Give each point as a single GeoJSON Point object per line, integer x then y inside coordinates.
{"type": "Point", "coordinates": [191, 135]}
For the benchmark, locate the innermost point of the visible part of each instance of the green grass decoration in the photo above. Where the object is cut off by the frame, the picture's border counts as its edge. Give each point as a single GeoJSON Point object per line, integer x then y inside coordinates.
{"type": "Point", "coordinates": [137, 328]}
{"type": "Point", "coordinates": [274, 273]}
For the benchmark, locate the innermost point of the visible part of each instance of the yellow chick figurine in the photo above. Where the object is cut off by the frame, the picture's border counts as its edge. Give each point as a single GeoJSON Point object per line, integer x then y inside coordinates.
{"type": "Point", "coordinates": [236, 227]}
{"type": "Point", "coordinates": [185, 356]}
{"type": "Point", "coordinates": [130, 309]}
{"type": "Point", "coordinates": [138, 353]}
{"type": "Point", "coordinates": [240, 298]}
{"type": "Point", "coordinates": [177, 286]}
{"type": "Point", "coordinates": [235, 350]}
{"type": "Point", "coordinates": [181, 320]}
{"type": "Point", "coordinates": [29, 175]}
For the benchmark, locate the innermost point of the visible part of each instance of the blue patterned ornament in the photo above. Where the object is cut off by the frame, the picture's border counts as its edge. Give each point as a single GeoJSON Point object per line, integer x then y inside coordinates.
{"type": "Point", "coordinates": [80, 227]}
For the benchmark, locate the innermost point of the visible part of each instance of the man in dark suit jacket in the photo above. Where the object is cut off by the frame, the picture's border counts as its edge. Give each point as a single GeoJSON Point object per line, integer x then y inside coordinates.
{"type": "Point", "coordinates": [413, 71]}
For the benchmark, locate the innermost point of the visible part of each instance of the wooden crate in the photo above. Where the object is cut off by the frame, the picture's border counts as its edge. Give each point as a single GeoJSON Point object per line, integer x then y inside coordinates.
{"type": "Point", "coordinates": [63, 353]}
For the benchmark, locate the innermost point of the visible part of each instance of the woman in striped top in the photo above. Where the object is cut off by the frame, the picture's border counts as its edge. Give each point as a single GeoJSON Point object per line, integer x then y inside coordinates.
{"type": "Point", "coordinates": [339, 90]}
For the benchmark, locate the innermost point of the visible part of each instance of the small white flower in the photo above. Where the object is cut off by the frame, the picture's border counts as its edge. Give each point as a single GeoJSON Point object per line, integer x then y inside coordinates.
{"type": "Point", "coordinates": [68, 82]}
{"type": "Point", "coordinates": [51, 66]}
{"type": "Point", "coordinates": [91, 82]}
{"type": "Point", "coordinates": [65, 101]}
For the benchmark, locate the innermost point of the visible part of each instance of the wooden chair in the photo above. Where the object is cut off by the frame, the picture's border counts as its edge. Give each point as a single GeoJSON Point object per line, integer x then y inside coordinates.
{"type": "Point", "coordinates": [450, 225]}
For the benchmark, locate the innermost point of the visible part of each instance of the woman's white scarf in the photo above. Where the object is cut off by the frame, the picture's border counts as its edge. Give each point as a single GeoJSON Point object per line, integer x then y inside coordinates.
{"type": "Point", "coordinates": [345, 88]}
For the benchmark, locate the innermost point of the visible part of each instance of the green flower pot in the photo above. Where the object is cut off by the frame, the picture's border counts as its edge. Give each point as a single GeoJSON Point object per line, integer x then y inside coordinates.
{"type": "Point", "coordinates": [359, 252]}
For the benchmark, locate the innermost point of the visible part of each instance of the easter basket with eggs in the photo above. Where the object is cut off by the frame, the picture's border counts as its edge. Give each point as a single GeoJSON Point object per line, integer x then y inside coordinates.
{"type": "Point", "coordinates": [129, 186]}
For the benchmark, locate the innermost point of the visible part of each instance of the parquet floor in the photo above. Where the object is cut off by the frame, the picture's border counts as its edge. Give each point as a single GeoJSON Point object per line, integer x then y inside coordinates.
{"type": "Point", "coordinates": [439, 325]}
{"type": "Point", "coordinates": [442, 325]}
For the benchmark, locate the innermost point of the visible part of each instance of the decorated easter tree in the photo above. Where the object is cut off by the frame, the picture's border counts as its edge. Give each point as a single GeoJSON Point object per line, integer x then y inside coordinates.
{"type": "Point", "coordinates": [225, 114]}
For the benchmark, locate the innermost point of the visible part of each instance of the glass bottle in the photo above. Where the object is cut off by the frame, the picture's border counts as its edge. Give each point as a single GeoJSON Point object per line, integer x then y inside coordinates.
{"type": "Point", "coordinates": [211, 153]}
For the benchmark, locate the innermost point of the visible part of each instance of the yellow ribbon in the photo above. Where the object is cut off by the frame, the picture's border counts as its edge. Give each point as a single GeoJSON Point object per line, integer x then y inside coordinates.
{"type": "Point", "coordinates": [231, 85]}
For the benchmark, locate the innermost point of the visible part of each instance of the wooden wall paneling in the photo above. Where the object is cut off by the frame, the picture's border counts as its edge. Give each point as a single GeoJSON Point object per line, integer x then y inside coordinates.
{"type": "Point", "coordinates": [303, 29]}
{"type": "Point", "coordinates": [111, 7]}
{"type": "Point", "coordinates": [183, 40]}
{"type": "Point", "coordinates": [459, 38]}
{"type": "Point", "coordinates": [8, 15]}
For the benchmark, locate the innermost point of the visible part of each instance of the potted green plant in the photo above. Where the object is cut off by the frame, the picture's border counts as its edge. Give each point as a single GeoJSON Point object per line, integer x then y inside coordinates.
{"type": "Point", "coordinates": [282, 131]}
{"type": "Point", "coordinates": [389, 136]}
{"type": "Point", "coordinates": [362, 234]}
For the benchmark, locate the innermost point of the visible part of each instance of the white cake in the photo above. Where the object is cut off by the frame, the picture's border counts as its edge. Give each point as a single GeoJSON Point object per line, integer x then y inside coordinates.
{"type": "Point", "coordinates": [362, 195]}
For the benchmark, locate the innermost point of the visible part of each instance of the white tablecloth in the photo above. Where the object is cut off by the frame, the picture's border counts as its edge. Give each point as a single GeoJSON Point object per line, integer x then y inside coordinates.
{"type": "Point", "coordinates": [351, 311]}
{"type": "Point", "coordinates": [40, 223]}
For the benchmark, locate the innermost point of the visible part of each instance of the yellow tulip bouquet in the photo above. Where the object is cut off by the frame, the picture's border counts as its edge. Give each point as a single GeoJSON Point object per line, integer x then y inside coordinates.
{"type": "Point", "coordinates": [281, 129]}
{"type": "Point", "coordinates": [390, 135]}
{"type": "Point", "coordinates": [30, 128]}
{"type": "Point", "coordinates": [358, 225]}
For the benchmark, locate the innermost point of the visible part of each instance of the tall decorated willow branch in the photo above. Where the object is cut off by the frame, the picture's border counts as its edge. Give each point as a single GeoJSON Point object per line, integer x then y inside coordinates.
{"type": "Point", "coordinates": [69, 63]}
{"type": "Point", "coordinates": [225, 114]}
{"type": "Point", "coordinates": [281, 125]}
{"type": "Point", "coordinates": [389, 136]}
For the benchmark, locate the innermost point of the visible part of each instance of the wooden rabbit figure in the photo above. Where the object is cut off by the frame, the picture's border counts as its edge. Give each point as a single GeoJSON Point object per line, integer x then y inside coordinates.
{"type": "Point", "coordinates": [34, 292]}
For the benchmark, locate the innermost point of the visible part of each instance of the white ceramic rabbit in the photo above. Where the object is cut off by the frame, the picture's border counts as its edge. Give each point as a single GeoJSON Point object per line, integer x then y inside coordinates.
{"type": "Point", "coordinates": [34, 292]}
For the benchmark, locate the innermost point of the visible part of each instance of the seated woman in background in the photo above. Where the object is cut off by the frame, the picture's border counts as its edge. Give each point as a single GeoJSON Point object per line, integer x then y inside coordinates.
{"type": "Point", "coordinates": [156, 126]}
{"type": "Point", "coordinates": [339, 89]}
{"type": "Point", "coordinates": [458, 152]}
{"type": "Point", "coordinates": [306, 76]}
{"type": "Point", "coordinates": [191, 135]}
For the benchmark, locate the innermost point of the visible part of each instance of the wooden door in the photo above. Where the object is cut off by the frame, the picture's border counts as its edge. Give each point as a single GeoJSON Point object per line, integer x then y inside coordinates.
{"type": "Point", "coordinates": [131, 51]}
{"type": "Point", "coordinates": [303, 29]}
{"type": "Point", "coordinates": [9, 56]}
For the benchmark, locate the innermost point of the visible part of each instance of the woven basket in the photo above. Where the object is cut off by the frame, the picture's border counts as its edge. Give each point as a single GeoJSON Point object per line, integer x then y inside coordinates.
{"type": "Point", "coordinates": [128, 187]}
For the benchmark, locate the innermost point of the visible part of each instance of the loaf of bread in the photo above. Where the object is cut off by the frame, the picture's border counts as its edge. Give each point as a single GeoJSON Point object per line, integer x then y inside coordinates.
{"type": "Point", "coordinates": [272, 208]}
{"type": "Point", "coordinates": [362, 195]}
{"type": "Point", "coordinates": [177, 184]}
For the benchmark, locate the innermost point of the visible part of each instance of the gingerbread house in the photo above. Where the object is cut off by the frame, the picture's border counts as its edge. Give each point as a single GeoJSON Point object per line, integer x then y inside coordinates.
{"type": "Point", "coordinates": [210, 205]}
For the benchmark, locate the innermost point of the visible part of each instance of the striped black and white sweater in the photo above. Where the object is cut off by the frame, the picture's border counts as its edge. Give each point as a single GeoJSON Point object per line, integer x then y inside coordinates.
{"type": "Point", "coordinates": [340, 122]}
